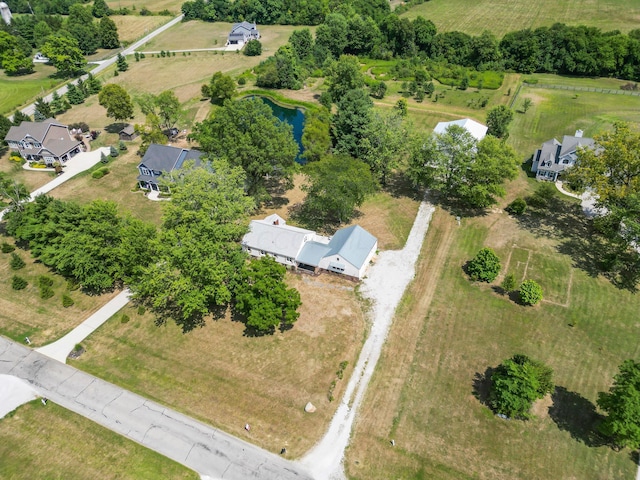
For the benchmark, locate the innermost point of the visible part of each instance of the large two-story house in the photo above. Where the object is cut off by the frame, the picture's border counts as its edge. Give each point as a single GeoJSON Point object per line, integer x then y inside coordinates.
{"type": "Point", "coordinates": [47, 142]}
{"type": "Point", "coordinates": [242, 32]}
{"type": "Point", "coordinates": [160, 159]}
{"type": "Point", "coordinates": [348, 252]}
{"type": "Point", "coordinates": [554, 157]}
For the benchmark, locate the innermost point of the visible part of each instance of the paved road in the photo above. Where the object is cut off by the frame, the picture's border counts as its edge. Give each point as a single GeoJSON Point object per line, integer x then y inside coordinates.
{"type": "Point", "coordinates": [206, 450]}
{"type": "Point", "coordinates": [29, 109]}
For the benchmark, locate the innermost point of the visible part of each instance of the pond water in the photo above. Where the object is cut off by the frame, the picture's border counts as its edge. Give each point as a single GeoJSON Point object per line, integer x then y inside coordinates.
{"type": "Point", "coordinates": [294, 117]}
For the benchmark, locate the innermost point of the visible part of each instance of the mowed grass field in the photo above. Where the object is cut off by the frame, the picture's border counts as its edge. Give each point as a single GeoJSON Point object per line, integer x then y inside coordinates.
{"type": "Point", "coordinates": [133, 27]}
{"type": "Point", "coordinates": [24, 313]}
{"type": "Point", "coordinates": [154, 5]}
{"type": "Point", "coordinates": [555, 113]}
{"type": "Point", "coordinates": [474, 16]}
{"type": "Point", "coordinates": [228, 379]}
{"type": "Point", "coordinates": [16, 91]}
{"type": "Point", "coordinates": [427, 393]}
{"type": "Point", "coordinates": [49, 441]}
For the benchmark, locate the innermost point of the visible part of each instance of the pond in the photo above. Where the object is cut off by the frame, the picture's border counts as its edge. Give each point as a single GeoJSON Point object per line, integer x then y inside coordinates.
{"type": "Point", "coordinates": [294, 117]}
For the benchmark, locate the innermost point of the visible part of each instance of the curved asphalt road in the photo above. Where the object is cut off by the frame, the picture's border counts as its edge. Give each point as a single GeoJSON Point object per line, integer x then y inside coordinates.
{"type": "Point", "coordinates": [29, 109]}
{"type": "Point", "coordinates": [198, 446]}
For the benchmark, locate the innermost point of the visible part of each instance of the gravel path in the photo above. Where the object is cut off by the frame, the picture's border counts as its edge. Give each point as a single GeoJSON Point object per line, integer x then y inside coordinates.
{"type": "Point", "coordinates": [385, 285]}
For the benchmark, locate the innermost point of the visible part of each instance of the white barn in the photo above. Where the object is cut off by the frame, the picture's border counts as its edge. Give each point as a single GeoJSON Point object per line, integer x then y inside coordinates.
{"type": "Point", "coordinates": [477, 130]}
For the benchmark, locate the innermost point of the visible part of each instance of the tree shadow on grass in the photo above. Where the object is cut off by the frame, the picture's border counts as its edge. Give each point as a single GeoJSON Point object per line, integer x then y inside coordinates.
{"type": "Point", "coordinates": [115, 127]}
{"type": "Point", "coordinates": [575, 414]}
{"type": "Point", "coordinates": [579, 238]}
{"type": "Point", "coordinates": [482, 386]}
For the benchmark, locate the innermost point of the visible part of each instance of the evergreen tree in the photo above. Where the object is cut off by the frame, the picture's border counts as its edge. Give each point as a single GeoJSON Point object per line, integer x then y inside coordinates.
{"type": "Point", "coordinates": [108, 33]}
{"type": "Point", "coordinates": [100, 9]}
{"type": "Point", "coordinates": [19, 117]}
{"type": "Point", "coordinates": [92, 84]}
{"type": "Point", "coordinates": [122, 64]}
{"type": "Point", "coordinates": [42, 110]}
{"type": "Point", "coordinates": [74, 94]}
{"type": "Point", "coordinates": [59, 104]}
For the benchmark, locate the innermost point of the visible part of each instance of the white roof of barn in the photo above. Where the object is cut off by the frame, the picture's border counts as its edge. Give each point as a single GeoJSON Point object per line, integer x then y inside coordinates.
{"type": "Point", "coordinates": [477, 130]}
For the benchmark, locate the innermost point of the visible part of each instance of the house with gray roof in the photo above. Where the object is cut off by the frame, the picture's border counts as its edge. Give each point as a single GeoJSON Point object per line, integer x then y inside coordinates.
{"type": "Point", "coordinates": [46, 142]}
{"type": "Point", "coordinates": [554, 157]}
{"type": "Point", "coordinates": [242, 32]}
{"type": "Point", "coordinates": [348, 252]}
{"type": "Point", "coordinates": [160, 159]}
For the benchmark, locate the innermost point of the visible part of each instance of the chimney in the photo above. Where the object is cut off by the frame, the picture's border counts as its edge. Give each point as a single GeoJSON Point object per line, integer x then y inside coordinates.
{"type": "Point", "coordinates": [276, 222]}
{"type": "Point", "coordinates": [579, 133]}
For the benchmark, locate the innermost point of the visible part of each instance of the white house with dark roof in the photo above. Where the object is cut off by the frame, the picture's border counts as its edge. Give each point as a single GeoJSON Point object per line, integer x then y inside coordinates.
{"type": "Point", "coordinates": [348, 252]}
{"type": "Point", "coordinates": [554, 157]}
{"type": "Point", "coordinates": [477, 130]}
{"type": "Point", "coordinates": [160, 159]}
{"type": "Point", "coordinates": [47, 142]}
{"type": "Point", "coordinates": [242, 32]}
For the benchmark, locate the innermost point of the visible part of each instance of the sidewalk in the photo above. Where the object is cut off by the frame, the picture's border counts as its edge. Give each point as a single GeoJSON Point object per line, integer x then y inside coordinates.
{"type": "Point", "coordinates": [59, 350]}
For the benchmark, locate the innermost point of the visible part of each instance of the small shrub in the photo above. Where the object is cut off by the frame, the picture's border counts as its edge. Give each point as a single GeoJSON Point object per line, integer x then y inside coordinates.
{"type": "Point", "coordinates": [485, 266]}
{"type": "Point", "coordinates": [18, 283]}
{"type": "Point", "coordinates": [16, 262]}
{"type": "Point", "coordinates": [67, 301]}
{"type": "Point", "coordinates": [530, 292]}
{"type": "Point", "coordinates": [125, 318]}
{"type": "Point", "coordinates": [113, 152]}
{"type": "Point", "coordinates": [517, 207]}
{"type": "Point", "coordinates": [253, 48]}
{"type": "Point", "coordinates": [242, 81]}
{"type": "Point", "coordinates": [72, 285]}
{"type": "Point", "coordinates": [46, 292]}
{"type": "Point", "coordinates": [141, 310]}
{"type": "Point", "coordinates": [7, 247]}
{"type": "Point", "coordinates": [509, 283]}
{"type": "Point", "coordinates": [44, 281]}
{"type": "Point", "coordinates": [122, 146]}
{"type": "Point", "coordinates": [97, 174]}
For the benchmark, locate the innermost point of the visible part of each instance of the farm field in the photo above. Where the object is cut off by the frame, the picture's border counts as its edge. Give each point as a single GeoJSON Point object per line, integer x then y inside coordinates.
{"type": "Point", "coordinates": [49, 441]}
{"type": "Point", "coordinates": [16, 91]}
{"type": "Point", "coordinates": [23, 313]}
{"type": "Point", "coordinates": [154, 5]}
{"type": "Point", "coordinates": [428, 391]}
{"type": "Point", "coordinates": [133, 27]}
{"type": "Point", "coordinates": [474, 16]}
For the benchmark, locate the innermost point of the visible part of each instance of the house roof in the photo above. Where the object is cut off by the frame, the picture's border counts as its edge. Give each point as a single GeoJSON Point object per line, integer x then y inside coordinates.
{"type": "Point", "coordinates": [353, 244]}
{"type": "Point", "coordinates": [313, 252]}
{"type": "Point", "coordinates": [164, 158]}
{"type": "Point", "coordinates": [570, 144]}
{"type": "Point", "coordinates": [37, 130]}
{"type": "Point", "coordinates": [60, 146]}
{"type": "Point", "coordinates": [477, 130]}
{"type": "Point", "coordinates": [128, 130]}
{"type": "Point", "coordinates": [243, 27]}
{"type": "Point", "coordinates": [279, 239]}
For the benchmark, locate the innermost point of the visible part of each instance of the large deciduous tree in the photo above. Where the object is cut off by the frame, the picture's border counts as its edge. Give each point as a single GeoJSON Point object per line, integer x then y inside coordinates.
{"type": "Point", "coordinates": [612, 171]}
{"type": "Point", "coordinates": [165, 106]}
{"type": "Point", "coordinates": [517, 383]}
{"type": "Point", "coordinates": [351, 122]}
{"type": "Point", "coordinates": [248, 135]}
{"type": "Point", "coordinates": [336, 186]}
{"type": "Point", "coordinates": [117, 102]}
{"type": "Point", "coordinates": [485, 266]}
{"type": "Point", "coordinates": [64, 53]}
{"type": "Point", "coordinates": [459, 167]}
{"type": "Point", "coordinates": [622, 406]}
{"type": "Point", "coordinates": [384, 144]}
{"type": "Point", "coordinates": [263, 298]}
{"type": "Point", "coordinates": [221, 87]}
{"type": "Point", "coordinates": [343, 76]}
{"type": "Point", "coordinates": [198, 256]}
{"type": "Point", "coordinates": [316, 136]}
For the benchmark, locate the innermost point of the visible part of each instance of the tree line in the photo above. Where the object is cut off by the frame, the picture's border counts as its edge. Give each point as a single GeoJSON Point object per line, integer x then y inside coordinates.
{"type": "Point", "coordinates": [64, 40]}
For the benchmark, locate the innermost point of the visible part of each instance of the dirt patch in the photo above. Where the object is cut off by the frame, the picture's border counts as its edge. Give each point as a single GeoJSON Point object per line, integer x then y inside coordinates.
{"type": "Point", "coordinates": [540, 408]}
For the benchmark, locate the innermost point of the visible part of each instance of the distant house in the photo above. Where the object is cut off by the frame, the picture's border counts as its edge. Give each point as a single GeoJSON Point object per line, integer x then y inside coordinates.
{"type": "Point", "coordinates": [348, 252]}
{"type": "Point", "coordinates": [128, 133]}
{"type": "Point", "coordinates": [47, 142]}
{"type": "Point", "coordinates": [242, 32]}
{"type": "Point", "coordinates": [160, 159]}
{"type": "Point", "coordinates": [40, 58]}
{"type": "Point", "coordinates": [550, 160]}
{"type": "Point", "coordinates": [477, 130]}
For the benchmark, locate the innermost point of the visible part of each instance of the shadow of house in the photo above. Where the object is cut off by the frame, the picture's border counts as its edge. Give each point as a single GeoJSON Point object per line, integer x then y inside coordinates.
{"type": "Point", "coordinates": [573, 413]}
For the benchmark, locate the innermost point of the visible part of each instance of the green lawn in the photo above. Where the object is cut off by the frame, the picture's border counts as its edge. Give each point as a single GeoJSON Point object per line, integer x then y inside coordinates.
{"type": "Point", "coordinates": [428, 390]}
{"type": "Point", "coordinates": [474, 16]}
{"type": "Point", "coordinates": [17, 91]}
{"type": "Point", "coordinates": [51, 442]}
{"type": "Point", "coordinates": [558, 112]}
